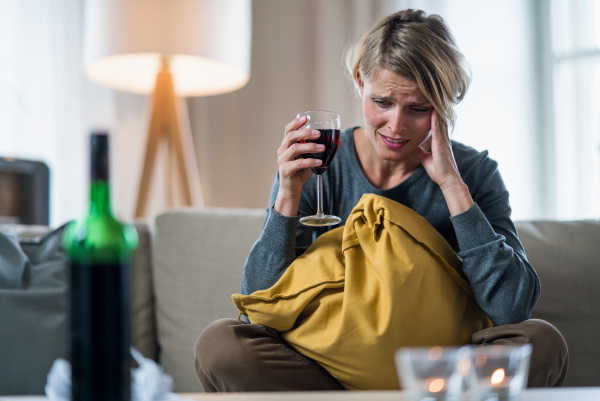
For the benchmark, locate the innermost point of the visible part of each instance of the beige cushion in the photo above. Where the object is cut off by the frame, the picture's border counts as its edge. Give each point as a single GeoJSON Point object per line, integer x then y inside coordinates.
{"type": "Point", "coordinates": [198, 262]}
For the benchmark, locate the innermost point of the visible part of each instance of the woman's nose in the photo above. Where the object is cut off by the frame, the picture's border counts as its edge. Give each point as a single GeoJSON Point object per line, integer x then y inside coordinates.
{"type": "Point", "coordinates": [396, 122]}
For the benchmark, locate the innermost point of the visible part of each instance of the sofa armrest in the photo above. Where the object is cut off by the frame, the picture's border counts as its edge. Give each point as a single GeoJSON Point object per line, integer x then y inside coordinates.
{"type": "Point", "coordinates": [143, 317]}
{"type": "Point", "coordinates": [566, 256]}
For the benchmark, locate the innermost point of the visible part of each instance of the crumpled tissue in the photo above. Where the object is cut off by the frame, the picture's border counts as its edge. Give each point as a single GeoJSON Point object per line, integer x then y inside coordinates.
{"type": "Point", "coordinates": [148, 381]}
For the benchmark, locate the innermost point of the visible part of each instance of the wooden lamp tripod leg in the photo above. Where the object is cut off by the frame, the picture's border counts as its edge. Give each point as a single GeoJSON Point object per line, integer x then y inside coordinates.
{"type": "Point", "coordinates": [165, 125]}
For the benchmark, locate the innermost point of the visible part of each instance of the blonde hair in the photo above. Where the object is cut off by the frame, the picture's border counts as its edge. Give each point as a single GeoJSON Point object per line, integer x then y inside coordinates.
{"type": "Point", "coordinates": [420, 48]}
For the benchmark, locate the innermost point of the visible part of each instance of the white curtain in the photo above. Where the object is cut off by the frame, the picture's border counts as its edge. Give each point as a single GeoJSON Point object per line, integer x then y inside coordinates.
{"type": "Point", "coordinates": [573, 47]}
{"type": "Point", "coordinates": [500, 113]}
{"type": "Point", "coordinates": [48, 107]}
{"type": "Point", "coordinates": [42, 92]}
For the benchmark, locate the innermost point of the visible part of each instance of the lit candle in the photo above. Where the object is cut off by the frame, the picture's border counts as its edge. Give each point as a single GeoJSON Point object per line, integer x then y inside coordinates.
{"type": "Point", "coordinates": [436, 385]}
{"type": "Point", "coordinates": [435, 353]}
{"type": "Point", "coordinates": [497, 377]}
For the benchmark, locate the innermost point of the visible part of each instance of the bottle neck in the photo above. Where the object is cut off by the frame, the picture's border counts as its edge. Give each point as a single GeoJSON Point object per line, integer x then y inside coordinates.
{"type": "Point", "coordinates": [100, 183]}
{"type": "Point", "coordinates": [100, 197]}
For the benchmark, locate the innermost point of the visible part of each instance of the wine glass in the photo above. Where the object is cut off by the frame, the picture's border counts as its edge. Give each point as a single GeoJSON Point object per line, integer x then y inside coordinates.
{"type": "Point", "coordinates": [328, 123]}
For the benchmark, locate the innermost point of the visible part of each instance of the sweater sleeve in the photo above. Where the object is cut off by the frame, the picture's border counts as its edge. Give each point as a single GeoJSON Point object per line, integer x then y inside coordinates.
{"type": "Point", "coordinates": [282, 239]}
{"type": "Point", "coordinates": [504, 283]}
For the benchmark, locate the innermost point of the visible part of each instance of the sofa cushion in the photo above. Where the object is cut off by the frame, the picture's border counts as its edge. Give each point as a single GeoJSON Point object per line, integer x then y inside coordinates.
{"type": "Point", "coordinates": [198, 262]}
{"type": "Point", "coordinates": [34, 304]}
{"type": "Point", "coordinates": [566, 256]}
{"type": "Point", "coordinates": [33, 309]}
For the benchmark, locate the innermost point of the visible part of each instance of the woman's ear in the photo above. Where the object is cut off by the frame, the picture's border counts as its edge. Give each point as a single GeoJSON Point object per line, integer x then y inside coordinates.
{"type": "Point", "coordinates": [359, 83]}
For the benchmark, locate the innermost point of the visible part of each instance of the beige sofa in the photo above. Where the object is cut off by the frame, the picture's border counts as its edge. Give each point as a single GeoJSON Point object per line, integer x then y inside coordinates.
{"type": "Point", "coordinates": [190, 261]}
{"type": "Point", "coordinates": [199, 256]}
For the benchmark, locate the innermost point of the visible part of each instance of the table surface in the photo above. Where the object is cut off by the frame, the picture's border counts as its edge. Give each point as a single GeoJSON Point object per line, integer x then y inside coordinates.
{"type": "Point", "coordinates": [558, 394]}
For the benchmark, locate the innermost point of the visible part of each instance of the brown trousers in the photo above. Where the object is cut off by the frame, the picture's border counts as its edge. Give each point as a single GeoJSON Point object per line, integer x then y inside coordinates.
{"type": "Point", "coordinates": [232, 355]}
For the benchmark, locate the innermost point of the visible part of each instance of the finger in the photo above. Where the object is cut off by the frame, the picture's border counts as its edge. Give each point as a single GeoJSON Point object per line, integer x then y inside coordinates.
{"type": "Point", "coordinates": [295, 125]}
{"type": "Point", "coordinates": [440, 124]}
{"type": "Point", "coordinates": [439, 131]}
{"type": "Point", "coordinates": [297, 149]}
{"type": "Point", "coordinates": [294, 150]}
{"type": "Point", "coordinates": [304, 135]}
{"type": "Point", "coordinates": [291, 137]}
{"type": "Point", "coordinates": [294, 137]}
{"type": "Point", "coordinates": [291, 167]}
{"type": "Point", "coordinates": [435, 126]}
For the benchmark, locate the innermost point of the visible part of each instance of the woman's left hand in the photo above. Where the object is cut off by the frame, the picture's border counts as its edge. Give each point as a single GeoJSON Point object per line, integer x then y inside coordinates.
{"type": "Point", "coordinates": [441, 167]}
{"type": "Point", "coordinates": [439, 163]}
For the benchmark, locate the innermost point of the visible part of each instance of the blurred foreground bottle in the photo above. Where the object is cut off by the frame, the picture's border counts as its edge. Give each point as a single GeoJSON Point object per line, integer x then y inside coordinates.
{"type": "Point", "coordinates": [100, 249]}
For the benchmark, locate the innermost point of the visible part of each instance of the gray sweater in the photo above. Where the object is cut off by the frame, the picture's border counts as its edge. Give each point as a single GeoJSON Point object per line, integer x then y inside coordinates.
{"type": "Point", "coordinates": [504, 283]}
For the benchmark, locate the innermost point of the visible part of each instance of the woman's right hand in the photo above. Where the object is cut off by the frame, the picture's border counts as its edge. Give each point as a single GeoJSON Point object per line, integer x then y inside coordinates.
{"type": "Point", "coordinates": [294, 170]}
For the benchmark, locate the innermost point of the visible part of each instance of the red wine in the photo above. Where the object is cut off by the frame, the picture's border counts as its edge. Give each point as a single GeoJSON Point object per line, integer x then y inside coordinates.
{"type": "Point", "coordinates": [100, 330]}
{"type": "Point", "coordinates": [330, 138]}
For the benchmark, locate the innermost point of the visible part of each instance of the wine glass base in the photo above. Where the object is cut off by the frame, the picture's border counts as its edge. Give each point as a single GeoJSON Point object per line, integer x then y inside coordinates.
{"type": "Point", "coordinates": [320, 221]}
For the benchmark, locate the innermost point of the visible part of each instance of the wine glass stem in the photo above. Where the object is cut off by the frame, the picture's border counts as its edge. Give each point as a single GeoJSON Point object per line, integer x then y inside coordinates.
{"type": "Point", "coordinates": [319, 195]}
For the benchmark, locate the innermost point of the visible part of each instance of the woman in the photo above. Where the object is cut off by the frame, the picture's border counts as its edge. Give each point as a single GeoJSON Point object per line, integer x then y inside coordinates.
{"type": "Point", "coordinates": [409, 74]}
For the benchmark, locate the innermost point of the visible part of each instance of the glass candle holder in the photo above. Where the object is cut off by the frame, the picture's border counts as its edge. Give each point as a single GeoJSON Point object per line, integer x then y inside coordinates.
{"type": "Point", "coordinates": [500, 372]}
{"type": "Point", "coordinates": [433, 373]}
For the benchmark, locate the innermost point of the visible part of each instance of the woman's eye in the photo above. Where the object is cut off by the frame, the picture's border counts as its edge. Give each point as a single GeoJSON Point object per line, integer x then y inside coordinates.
{"type": "Point", "coordinates": [420, 109]}
{"type": "Point", "coordinates": [381, 103]}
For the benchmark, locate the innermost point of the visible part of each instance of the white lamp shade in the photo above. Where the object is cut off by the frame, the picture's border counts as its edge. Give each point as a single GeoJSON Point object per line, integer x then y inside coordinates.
{"type": "Point", "coordinates": [207, 42]}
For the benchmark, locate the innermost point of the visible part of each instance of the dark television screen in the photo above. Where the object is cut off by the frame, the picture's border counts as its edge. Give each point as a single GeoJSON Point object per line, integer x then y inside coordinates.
{"type": "Point", "coordinates": [24, 192]}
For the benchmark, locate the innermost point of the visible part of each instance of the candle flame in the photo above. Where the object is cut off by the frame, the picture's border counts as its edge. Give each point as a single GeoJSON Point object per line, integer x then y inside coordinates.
{"type": "Point", "coordinates": [435, 353]}
{"type": "Point", "coordinates": [464, 367]}
{"type": "Point", "coordinates": [497, 377]}
{"type": "Point", "coordinates": [480, 360]}
{"type": "Point", "coordinates": [436, 385]}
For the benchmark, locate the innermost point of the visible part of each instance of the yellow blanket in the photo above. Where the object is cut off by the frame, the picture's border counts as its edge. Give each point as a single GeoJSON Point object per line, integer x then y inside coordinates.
{"type": "Point", "coordinates": [386, 279]}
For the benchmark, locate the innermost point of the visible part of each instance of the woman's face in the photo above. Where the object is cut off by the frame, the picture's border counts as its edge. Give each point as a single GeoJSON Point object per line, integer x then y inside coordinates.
{"type": "Point", "coordinates": [397, 115]}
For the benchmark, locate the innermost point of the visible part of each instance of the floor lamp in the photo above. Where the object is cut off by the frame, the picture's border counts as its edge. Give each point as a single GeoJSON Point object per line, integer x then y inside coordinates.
{"type": "Point", "coordinates": [170, 49]}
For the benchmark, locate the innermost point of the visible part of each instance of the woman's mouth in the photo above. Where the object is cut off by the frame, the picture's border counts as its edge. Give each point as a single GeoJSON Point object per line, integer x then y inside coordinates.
{"type": "Point", "coordinates": [394, 143]}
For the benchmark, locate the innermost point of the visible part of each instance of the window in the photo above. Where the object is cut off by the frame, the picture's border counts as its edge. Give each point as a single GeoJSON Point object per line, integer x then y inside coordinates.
{"type": "Point", "coordinates": [573, 165]}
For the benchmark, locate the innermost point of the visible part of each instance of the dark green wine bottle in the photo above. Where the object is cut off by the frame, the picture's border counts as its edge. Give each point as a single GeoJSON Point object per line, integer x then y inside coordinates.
{"type": "Point", "coordinates": [100, 250]}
